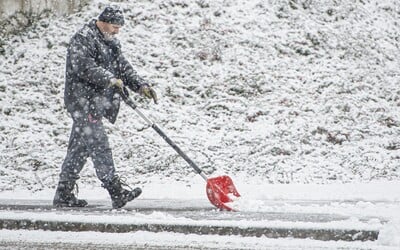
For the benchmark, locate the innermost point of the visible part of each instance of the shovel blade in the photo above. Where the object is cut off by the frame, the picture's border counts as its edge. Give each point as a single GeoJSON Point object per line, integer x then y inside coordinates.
{"type": "Point", "coordinates": [220, 190]}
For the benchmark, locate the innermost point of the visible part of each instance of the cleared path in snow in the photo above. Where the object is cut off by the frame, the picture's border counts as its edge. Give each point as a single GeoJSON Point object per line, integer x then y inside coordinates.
{"type": "Point", "coordinates": [187, 217]}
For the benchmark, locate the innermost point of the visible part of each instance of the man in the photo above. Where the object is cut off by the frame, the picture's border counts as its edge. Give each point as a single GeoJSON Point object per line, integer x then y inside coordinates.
{"type": "Point", "coordinates": [96, 74]}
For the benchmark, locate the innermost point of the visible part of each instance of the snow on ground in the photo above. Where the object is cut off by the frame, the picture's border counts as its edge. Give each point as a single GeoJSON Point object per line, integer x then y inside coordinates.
{"type": "Point", "coordinates": [368, 206]}
{"type": "Point", "coordinates": [281, 95]}
{"type": "Point", "coordinates": [183, 241]}
{"type": "Point", "coordinates": [291, 92]}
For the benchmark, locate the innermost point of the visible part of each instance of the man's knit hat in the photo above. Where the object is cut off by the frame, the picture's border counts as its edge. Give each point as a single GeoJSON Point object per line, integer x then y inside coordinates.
{"type": "Point", "coordinates": [112, 15]}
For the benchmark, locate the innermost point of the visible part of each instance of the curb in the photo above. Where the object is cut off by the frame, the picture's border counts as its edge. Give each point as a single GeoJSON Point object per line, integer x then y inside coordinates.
{"type": "Point", "coordinates": [299, 233]}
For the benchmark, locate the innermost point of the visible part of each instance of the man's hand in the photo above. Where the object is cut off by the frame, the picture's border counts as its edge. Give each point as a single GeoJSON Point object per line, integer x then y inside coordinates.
{"type": "Point", "coordinates": [117, 83]}
{"type": "Point", "coordinates": [147, 91]}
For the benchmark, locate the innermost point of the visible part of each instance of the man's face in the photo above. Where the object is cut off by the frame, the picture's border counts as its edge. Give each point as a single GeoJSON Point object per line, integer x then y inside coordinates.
{"type": "Point", "coordinates": [110, 30]}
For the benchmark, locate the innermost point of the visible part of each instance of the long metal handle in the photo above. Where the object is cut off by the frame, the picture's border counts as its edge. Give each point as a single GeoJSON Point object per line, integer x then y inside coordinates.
{"type": "Point", "coordinates": [164, 136]}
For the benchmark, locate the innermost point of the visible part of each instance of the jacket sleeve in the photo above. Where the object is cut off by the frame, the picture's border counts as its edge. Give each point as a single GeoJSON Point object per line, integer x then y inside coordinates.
{"type": "Point", "coordinates": [129, 75]}
{"type": "Point", "coordinates": [82, 54]}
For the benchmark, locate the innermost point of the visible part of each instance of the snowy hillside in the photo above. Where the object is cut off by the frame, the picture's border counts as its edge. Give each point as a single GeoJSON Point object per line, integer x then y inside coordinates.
{"type": "Point", "coordinates": [276, 91]}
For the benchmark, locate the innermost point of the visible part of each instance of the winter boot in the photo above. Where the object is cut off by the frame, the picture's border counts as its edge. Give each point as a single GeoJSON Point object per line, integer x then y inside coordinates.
{"type": "Point", "coordinates": [64, 196]}
{"type": "Point", "coordinates": [120, 196]}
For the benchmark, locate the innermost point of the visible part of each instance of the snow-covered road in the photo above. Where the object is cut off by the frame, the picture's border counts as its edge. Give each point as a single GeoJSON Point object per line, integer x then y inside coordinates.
{"type": "Point", "coordinates": [147, 240]}
{"type": "Point", "coordinates": [189, 217]}
{"type": "Point", "coordinates": [161, 219]}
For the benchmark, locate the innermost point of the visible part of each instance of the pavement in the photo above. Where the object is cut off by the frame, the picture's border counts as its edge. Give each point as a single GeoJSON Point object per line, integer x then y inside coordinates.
{"type": "Point", "coordinates": [182, 216]}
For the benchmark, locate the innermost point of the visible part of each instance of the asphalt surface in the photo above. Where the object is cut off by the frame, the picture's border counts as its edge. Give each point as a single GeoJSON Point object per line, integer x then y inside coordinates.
{"type": "Point", "coordinates": [192, 210]}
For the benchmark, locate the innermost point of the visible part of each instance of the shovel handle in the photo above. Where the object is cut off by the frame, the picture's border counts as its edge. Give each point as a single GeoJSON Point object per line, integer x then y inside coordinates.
{"type": "Point", "coordinates": [178, 150]}
{"type": "Point", "coordinates": [130, 103]}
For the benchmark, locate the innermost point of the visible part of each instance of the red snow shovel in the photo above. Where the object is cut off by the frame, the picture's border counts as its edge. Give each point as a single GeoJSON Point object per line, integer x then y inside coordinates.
{"type": "Point", "coordinates": [220, 190]}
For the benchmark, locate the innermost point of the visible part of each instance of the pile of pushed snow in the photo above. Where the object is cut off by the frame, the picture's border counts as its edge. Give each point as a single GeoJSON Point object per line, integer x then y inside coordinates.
{"type": "Point", "coordinates": [289, 91]}
{"type": "Point", "coordinates": [390, 234]}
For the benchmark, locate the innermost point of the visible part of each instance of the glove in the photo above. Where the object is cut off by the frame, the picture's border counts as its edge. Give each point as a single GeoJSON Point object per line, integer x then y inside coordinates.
{"type": "Point", "coordinates": [117, 83]}
{"type": "Point", "coordinates": [147, 91]}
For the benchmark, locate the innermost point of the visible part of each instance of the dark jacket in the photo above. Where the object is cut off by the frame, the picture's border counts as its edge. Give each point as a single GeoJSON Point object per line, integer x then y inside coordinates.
{"type": "Point", "coordinates": [91, 63]}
